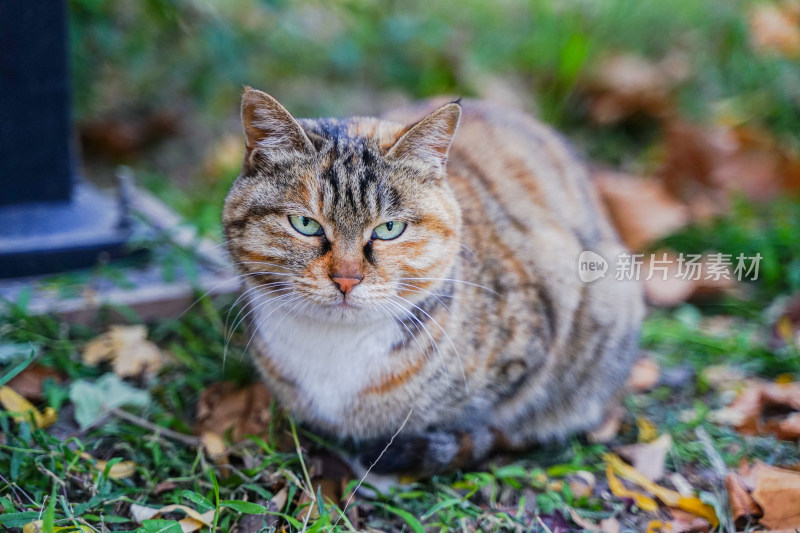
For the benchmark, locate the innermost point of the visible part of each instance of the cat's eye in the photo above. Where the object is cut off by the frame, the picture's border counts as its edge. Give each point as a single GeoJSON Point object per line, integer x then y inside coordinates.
{"type": "Point", "coordinates": [388, 230]}
{"type": "Point", "coordinates": [305, 225]}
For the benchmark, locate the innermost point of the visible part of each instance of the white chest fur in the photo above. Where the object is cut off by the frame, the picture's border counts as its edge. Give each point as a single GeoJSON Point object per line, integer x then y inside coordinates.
{"type": "Point", "coordinates": [331, 361]}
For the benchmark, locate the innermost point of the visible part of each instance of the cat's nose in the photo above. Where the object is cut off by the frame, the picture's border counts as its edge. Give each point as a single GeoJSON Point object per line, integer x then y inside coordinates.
{"type": "Point", "coordinates": [346, 284]}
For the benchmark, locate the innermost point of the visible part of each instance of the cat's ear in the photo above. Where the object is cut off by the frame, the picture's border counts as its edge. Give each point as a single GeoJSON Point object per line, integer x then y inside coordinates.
{"type": "Point", "coordinates": [269, 127]}
{"type": "Point", "coordinates": [428, 141]}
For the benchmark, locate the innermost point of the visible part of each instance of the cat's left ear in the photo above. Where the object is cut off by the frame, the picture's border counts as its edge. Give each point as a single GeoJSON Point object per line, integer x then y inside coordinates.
{"type": "Point", "coordinates": [428, 141]}
{"type": "Point", "coordinates": [269, 127]}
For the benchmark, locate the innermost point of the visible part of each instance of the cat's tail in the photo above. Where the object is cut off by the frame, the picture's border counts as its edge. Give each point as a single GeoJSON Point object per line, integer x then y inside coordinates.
{"type": "Point", "coordinates": [432, 452]}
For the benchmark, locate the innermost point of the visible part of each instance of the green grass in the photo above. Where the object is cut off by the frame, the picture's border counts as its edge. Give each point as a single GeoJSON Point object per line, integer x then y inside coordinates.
{"type": "Point", "coordinates": [314, 57]}
{"type": "Point", "coordinates": [507, 492]}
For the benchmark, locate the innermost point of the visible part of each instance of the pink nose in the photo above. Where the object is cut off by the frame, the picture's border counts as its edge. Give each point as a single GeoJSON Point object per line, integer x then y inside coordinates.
{"type": "Point", "coordinates": [346, 284]}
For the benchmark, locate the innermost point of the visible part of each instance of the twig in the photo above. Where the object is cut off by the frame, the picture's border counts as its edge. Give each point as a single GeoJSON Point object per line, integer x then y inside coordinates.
{"type": "Point", "coordinates": [146, 424]}
{"type": "Point", "coordinates": [541, 523]}
{"type": "Point", "coordinates": [364, 477]}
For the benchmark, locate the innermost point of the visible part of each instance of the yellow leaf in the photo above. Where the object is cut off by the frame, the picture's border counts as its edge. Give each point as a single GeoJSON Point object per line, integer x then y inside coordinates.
{"type": "Point", "coordinates": [37, 526]}
{"type": "Point", "coordinates": [618, 489]}
{"type": "Point", "coordinates": [128, 350]}
{"type": "Point", "coordinates": [215, 449]}
{"type": "Point", "coordinates": [668, 497]}
{"type": "Point", "coordinates": [21, 409]}
{"type": "Point", "coordinates": [658, 526]}
{"type": "Point", "coordinates": [120, 470]}
{"type": "Point", "coordinates": [193, 521]}
{"type": "Point", "coordinates": [693, 505]}
{"type": "Point", "coordinates": [648, 432]}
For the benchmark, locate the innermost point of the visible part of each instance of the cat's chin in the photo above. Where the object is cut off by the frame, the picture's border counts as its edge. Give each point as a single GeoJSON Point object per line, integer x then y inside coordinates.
{"type": "Point", "coordinates": [342, 311]}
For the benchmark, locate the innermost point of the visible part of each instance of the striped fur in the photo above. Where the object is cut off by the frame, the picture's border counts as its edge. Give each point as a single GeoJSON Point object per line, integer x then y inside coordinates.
{"type": "Point", "coordinates": [473, 320]}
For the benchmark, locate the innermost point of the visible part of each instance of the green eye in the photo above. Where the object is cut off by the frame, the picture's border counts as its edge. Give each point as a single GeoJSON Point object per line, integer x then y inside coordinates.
{"type": "Point", "coordinates": [388, 230]}
{"type": "Point", "coordinates": [305, 225]}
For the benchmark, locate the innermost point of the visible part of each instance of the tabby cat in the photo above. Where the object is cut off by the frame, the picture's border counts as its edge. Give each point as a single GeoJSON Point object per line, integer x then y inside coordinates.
{"type": "Point", "coordinates": [427, 274]}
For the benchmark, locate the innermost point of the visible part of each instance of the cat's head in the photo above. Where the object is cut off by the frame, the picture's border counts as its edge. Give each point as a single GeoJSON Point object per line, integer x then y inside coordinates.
{"type": "Point", "coordinates": [343, 219]}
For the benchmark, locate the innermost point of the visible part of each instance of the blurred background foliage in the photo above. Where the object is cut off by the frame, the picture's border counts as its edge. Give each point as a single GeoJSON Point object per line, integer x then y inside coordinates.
{"type": "Point", "coordinates": [700, 96]}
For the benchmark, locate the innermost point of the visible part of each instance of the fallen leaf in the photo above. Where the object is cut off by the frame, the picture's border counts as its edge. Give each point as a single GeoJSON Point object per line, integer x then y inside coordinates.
{"type": "Point", "coordinates": [128, 350]}
{"type": "Point", "coordinates": [215, 449]}
{"type": "Point", "coordinates": [648, 431]}
{"type": "Point", "coordinates": [37, 526]}
{"type": "Point", "coordinates": [777, 493]}
{"type": "Point", "coordinates": [619, 489]}
{"type": "Point", "coordinates": [93, 400]}
{"type": "Point", "coordinates": [120, 470]}
{"type": "Point", "coordinates": [667, 496]}
{"type": "Point", "coordinates": [29, 382]}
{"type": "Point", "coordinates": [245, 411]}
{"type": "Point", "coordinates": [704, 166]}
{"type": "Point", "coordinates": [775, 28]}
{"type": "Point", "coordinates": [648, 458]}
{"type": "Point", "coordinates": [751, 411]}
{"type": "Point", "coordinates": [743, 507]}
{"type": "Point", "coordinates": [644, 375]}
{"type": "Point", "coordinates": [641, 209]}
{"type": "Point", "coordinates": [22, 410]}
{"type": "Point", "coordinates": [193, 521]}
{"type": "Point", "coordinates": [626, 84]}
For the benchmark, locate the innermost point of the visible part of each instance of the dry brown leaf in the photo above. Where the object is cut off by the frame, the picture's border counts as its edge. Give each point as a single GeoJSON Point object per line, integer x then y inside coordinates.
{"type": "Point", "coordinates": [128, 350]}
{"type": "Point", "coordinates": [22, 410]}
{"type": "Point", "coordinates": [704, 165]}
{"type": "Point", "coordinates": [775, 28]}
{"type": "Point", "coordinates": [777, 492]}
{"type": "Point", "coordinates": [743, 507]}
{"type": "Point", "coordinates": [648, 458]}
{"type": "Point", "coordinates": [642, 210]}
{"type": "Point", "coordinates": [28, 383]}
{"type": "Point", "coordinates": [644, 375]}
{"type": "Point", "coordinates": [744, 412]}
{"type": "Point", "coordinates": [626, 84]}
{"type": "Point", "coordinates": [222, 408]}
{"type": "Point", "coordinates": [749, 411]}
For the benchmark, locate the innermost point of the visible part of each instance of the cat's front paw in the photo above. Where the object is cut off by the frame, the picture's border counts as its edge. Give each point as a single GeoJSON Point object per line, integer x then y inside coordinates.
{"type": "Point", "coordinates": [403, 455]}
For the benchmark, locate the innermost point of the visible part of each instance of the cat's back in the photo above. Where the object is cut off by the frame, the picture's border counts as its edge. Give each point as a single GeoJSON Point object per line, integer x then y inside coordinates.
{"type": "Point", "coordinates": [509, 169]}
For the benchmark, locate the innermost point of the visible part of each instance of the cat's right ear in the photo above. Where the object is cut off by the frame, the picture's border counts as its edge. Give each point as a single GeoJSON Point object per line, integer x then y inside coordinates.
{"type": "Point", "coordinates": [269, 128]}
